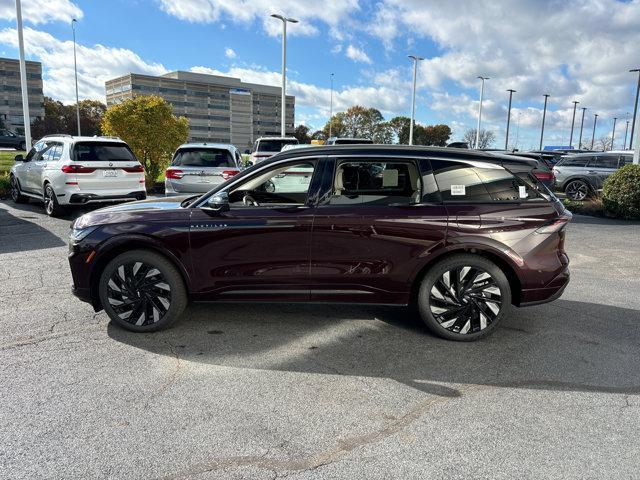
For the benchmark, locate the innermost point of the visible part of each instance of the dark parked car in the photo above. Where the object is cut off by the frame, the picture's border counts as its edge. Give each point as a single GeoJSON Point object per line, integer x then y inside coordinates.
{"type": "Point", "coordinates": [461, 234]}
{"type": "Point", "coordinates": [544, 170]}
{"type": "Point", "coordinates": [9, 139]}
{"type": "Point", "coordinates": [581, 176]}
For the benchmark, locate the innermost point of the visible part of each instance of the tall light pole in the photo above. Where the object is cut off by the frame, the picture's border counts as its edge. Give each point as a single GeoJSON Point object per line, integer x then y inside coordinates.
{"type": "Point", "coordinates": [635, 108]}
{"type": "Point", "coordinates": [626, 130]}
{"type": "Point", "coordinates": [482, 79]}
{"type": "Point", "coordinates": [415, 59]}
{"type": "Point", "coordinates": [283, 127]}
{"type": "Point", "coordinates": [331, 105]}
{"type": "Point", "coordinates": [518, 128]}
{"type": "Point", "coordinates": [613, 134]}
{"type": "Point", "coordinates": [75, 68]}
{"type": "Point", "coordinates": [23, 79]}
{"type": "Point", "coordinates": [573, 121]}
{"type": "Point", "coordinates": [544, 116]}
{"type": "Point", "coordinates": [584, 109]}
{"type": "Point", "coordinates": [506, 139]}
{"type": "Point", "coordinates": [593, 133]}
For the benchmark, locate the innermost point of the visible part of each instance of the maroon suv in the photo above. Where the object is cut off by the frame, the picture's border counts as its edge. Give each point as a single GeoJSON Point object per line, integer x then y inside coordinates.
{"type": "Point", "coordinates": [461, 234]}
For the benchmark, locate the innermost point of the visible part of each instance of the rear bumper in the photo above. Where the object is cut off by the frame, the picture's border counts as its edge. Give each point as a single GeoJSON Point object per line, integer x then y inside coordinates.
{"type": "Point", "coordinates": [82, 198]}
{"type": "Point", "coordinates": [552, 291]}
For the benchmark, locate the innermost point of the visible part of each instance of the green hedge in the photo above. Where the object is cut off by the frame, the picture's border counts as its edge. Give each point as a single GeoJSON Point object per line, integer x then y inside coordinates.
{"type": "Point", "coordinates": [5, 185]}
{"type": "Point", "coordinates": [621, 194]}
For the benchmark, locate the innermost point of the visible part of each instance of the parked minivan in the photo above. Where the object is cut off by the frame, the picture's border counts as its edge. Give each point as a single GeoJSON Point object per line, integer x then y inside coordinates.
{"type": "Point", "coordinates": [582, 175]}
{"type": "Point", "coordinates": [265, 147]}
{"type": "Point", "coordinates": [461, 234]}
{"type": "Point", "coordinates": [198, 167]}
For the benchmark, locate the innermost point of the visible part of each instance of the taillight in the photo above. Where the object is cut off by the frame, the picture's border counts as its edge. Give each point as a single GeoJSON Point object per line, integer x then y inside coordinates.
{"type": "Point", "coordinates": [136, 169]}
{"type": "Point", "coordinates": [544, 175]}
{"type": "Point", "coordinates": [227, 174]}
{"type": "Point", "coordinates": [77, 169]}
{"type": "Point", "coordinates": [174, 174]}
{"type": "Point", "coordinates": [557, 224]}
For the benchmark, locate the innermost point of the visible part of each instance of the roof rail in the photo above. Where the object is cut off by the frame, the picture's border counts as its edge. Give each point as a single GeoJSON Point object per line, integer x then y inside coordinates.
{"type": "Point", "coordinates": [111, 137]}
{"type": "Point", "coordinates": [57, 135]}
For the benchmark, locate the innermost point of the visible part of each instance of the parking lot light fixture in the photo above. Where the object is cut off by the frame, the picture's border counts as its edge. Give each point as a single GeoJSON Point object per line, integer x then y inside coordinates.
{"type": "Point", "coordinates": [415, 59]}
{"type": "Point", "coordinates": [482, 79]}
{"type": "Point", "coordinates": [626, 131]}
{"type": "Point", "coordinates": [506, 139]}
{"type": "Point", "coordinates": [75, 69]}
{"type": "Point", "coordinates": [593, 133]}
{"type": "Point", "coordinates": [584, 109]}
{"type": "Point", "coordinates": [283, 106]}
{"type": "Point", "coordinates": [330, 105]}
{"type": "Point", "coordinates": [544, 116]}
{"type": "Point", "coordinates": [573, 121]}
{"type": "Point", "coordinates": [613, 133]}
{"type": "Point", "coordinates": [635, 107]}
{"type": "Point", "coordinates": [23, 78]}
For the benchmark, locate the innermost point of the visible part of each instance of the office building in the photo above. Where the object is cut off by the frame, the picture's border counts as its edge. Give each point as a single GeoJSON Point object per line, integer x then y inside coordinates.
{"type": "Point", "coordinates": [219, 109]}
{"type": "Point", "coordinates": [11, 93]}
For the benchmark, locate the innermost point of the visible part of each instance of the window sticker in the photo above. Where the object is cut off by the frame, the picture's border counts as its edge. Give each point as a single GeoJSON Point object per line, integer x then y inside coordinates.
{"type": "Point", "coordinates": [458, 190]}
{"type": "Point", "coordinates": [523, 191]}
{"type": "Point", "coordinates": [390, 178]}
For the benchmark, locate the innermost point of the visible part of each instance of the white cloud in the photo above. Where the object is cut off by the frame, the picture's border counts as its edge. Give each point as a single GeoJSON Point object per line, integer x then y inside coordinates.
{"type": "Point", "coordinates": [230, 53]}
{"type": "Point", "coordinates": [357, 55]}
{"type": "Point", "coordinates": [248, 11]}
{"type": "Point", "coordinates": [95, 64]}
{"type": "Point", "coordinates": [41, 11]}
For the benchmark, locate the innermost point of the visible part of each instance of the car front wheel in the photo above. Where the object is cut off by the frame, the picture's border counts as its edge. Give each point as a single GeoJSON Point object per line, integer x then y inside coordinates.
{"type": "Point", "coordinates": [142, 291]}
{"type": "Point", "coordinates": [577, 190]}
{"type": "Point", "coordinates": [463, 297]}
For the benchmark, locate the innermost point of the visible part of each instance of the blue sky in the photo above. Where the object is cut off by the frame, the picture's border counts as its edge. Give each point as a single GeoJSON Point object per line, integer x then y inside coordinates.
{"type": "Point", "coordinates": [578, 50]}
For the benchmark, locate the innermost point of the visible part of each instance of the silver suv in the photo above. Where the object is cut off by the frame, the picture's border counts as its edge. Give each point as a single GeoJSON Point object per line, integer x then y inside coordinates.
{"type": "Point", "coordinates": [582, 175]}
{"type": "Point", "coordinates": [63, 171]}
{"type": "Point", "coordinates": [198, 167]}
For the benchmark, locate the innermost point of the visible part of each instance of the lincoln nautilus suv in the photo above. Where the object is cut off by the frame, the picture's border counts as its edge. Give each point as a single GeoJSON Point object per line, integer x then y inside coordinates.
{"type": "Point", "coordinates": [462, 235]}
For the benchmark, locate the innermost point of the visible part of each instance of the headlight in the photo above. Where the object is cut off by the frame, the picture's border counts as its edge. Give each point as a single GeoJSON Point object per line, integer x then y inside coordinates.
{"type": "Point", "coordinates": [78, 234]}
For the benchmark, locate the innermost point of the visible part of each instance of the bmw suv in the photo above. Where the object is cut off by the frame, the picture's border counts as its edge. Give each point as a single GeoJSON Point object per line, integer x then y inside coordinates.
{"type": "Point", "coordinates": [461, 234]}
{"type": "Point", "coordinates": [63, 171]}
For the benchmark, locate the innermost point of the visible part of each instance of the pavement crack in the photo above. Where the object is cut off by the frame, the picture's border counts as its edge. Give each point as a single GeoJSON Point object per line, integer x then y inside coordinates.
{"type": "Point", "coordinates": [173, 376]}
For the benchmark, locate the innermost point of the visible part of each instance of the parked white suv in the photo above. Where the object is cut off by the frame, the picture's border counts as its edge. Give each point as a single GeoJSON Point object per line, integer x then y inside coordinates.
{"type": "Point", "coordinates": [63, 170]}
{"type": "Point", "coordinates": [266, 147]}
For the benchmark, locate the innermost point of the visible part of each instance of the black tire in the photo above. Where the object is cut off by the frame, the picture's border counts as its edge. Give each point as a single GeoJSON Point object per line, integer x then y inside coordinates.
{"type": "Point", "coordinates": [22, 146]}
{"type": "Point", "coordinates": [472, 304]}
{"type": "Point", "coordinates": [155, 284]}
{"type": "Point", "coordinates": [578, 189]}
{"type": "Point", "coordinates": [51, 205]}
{"type": "Point", "coordinates": [16, 194]}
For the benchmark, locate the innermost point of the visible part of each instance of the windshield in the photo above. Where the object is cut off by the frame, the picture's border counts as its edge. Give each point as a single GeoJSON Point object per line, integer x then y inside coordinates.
{"type": "Point", "coordinates": [103, 152]}
{"type": "Point", "coordinates": [274, 145]}
{"type": "Point", "coordinates": [203, 157]}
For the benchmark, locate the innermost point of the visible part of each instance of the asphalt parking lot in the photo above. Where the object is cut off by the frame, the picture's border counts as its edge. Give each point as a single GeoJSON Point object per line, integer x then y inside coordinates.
{"type": "Point", "coordinates": [255, 391]}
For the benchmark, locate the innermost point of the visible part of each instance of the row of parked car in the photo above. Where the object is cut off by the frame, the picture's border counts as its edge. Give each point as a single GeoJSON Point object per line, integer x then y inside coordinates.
{"type": "Point", "coordinates": [64, 170]}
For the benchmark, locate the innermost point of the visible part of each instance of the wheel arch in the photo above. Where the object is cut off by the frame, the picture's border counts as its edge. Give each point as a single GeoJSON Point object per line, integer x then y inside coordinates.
{"type": "Point", "coordinates": [119, 246]}
{"type": "Point", "coordinates": [491, 254]}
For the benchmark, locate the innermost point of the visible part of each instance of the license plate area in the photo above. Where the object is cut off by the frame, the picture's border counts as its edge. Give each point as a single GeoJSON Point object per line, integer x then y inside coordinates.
{"type": "Point", "coordinates": [110, 173]}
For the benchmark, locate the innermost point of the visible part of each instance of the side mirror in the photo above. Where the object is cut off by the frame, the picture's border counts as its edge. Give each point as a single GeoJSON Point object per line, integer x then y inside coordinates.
{"type": "Point", "coordinates": [19, 158]}
{"type": "Point", "coordinates": [219, 202]}
{"type": "Point", "coordinates": [247, 152]}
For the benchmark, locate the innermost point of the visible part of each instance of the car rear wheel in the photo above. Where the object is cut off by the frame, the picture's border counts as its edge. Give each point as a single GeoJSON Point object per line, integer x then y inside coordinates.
{"type": "Point", "coordinates": [22, 146]}
{"type": "Point", "coordinates": [51, 205]}
{"type": "Point", "coordinates": [577, 190]}
{"type": "Point", "coordinates": [142, 291]}
{"type": "Point", "coordinates": [16, 195]}
{"type": "Point", "coordinates": [463, 297]}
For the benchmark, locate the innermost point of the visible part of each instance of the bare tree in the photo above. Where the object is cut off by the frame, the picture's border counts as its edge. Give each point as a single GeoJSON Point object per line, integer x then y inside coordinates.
{"type": "Point", "coordinates": [603, 143]}
{"type": "Point", "coordinates": [487, 137]}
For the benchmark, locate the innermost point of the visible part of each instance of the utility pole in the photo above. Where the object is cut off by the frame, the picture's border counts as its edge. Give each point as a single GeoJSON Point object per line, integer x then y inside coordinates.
{"type": "Point", "coordinates": [573, 120]}
{"type": "Point", "coordinates": [544, 115]}
{"type": "Point", "coordinates": [626, 130]}
{"type": "Point", "coordinates": [584, 109]}
{"type": "Point", "coordinates": [415, 59]}
{"type": "Point", "coordinates": [331, 106]}
{"type": "Point", "coordinates": [506, 139]}
{"type": "Point", "coordinates": [23, 79]}
{"type": "Point", "coordinates": [593, 134]}
{"type": "Point", "coordinates": [482, 79]}
{"type": "Point", "coordinates": [613, 134]}
{"type": "Point", "coordinates": [635, 108]}
{"type": "Point", "coordinates": [283, 127]}
{"type": "Point", "coordinates": [75, 68]}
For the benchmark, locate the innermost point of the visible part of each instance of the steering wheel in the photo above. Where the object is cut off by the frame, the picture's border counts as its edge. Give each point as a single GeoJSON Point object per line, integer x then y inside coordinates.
{"type": "Point", "coordinates": [249, 201]}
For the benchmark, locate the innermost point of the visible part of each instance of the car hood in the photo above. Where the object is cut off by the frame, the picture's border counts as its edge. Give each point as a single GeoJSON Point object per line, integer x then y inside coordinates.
{"type": "Point", "coordinates": [150, 209]}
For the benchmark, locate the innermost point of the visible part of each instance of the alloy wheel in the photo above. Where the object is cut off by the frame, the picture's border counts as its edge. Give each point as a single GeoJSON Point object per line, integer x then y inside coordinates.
{"type": "Point", "coordinates": [465, 300]}
{"type": "Point", "coordinates": [139, 293]}
{"type": "Point", "coordinates": [577, 190]}
{"type": "Point", "coordinates": [48, 199]}
{"type": "Point", "coordinates": [15, 189]}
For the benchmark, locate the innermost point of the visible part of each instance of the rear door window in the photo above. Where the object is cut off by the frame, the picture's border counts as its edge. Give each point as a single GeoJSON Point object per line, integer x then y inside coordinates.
{"type": "Point", "coordinates": [604, 161]}
{"type": "Point", "coordinates": [204, 158]}
{"type": "Point", "coordinates": [102, 152]}
{"type": "Point", "coordinates": [574, 161]}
